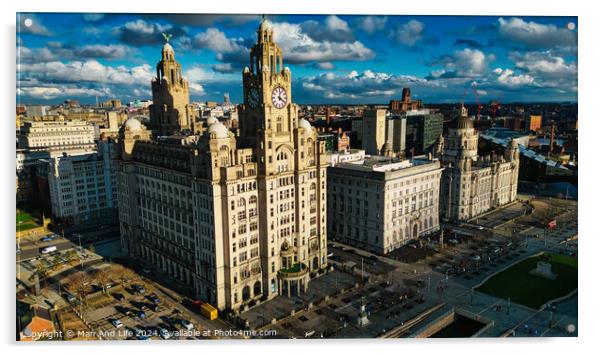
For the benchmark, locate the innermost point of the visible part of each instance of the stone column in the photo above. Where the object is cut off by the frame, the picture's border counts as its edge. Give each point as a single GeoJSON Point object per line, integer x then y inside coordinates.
{"type": "Point", "coordinates": [298, 287]}
{"type": "Point", "coordinates": [288, 288]}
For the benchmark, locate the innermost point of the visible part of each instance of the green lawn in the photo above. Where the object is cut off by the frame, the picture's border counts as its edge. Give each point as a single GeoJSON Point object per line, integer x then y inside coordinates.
{"type": "Point", "coordinates": [23, 217]}
{"type": "Point", "coordinates": [530, 290]}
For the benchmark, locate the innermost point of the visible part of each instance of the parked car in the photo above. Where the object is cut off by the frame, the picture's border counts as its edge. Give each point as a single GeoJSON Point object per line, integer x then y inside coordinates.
{"type": "Point", "coordinates": [70, 298]}
{"type": "Point", "coordinates": [140, 314]}
{"type": "Point", "coordinates": [117, 323]}
{"type": "Point", "coordinates": [186, 324]}
{"type": "Point", "coordinates": [118, 296]}
{"type": "Point", "coordinates": [164, 333]}
{"type": "Point", "coordinates": [154, 307]}
{"type": "Point", "coordinates": [154, 298]}
{"type": "Point", "coordinates": [138, 288]}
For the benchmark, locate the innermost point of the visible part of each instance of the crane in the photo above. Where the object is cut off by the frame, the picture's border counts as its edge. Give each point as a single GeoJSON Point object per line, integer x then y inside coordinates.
{"type": "Point", "coordinates": [495, 105]}
{"type": "Point", "coordinates": [476, 95]}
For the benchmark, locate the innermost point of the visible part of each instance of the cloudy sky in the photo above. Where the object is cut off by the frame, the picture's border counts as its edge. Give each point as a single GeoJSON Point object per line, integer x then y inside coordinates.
{"type": "Point", "coordinates": [333, 59]}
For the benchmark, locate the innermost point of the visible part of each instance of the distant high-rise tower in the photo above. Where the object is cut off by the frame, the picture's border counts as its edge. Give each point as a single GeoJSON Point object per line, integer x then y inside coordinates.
{"type": "Point", "coordinates": [406, 95]}
{"type": "Point", "coordinates": [170, 112]}
{"type": "Point", "coordinates": [226, 99]}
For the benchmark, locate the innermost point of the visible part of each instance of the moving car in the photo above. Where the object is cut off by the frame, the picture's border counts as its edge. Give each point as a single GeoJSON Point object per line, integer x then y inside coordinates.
{"type": "Point", "coordinates": [47, 238]}
{"type": "Point", "coordinates": [48, 249]}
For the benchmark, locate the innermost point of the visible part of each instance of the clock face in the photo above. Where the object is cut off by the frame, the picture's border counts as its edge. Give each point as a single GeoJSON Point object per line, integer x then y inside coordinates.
{"type": "Point", "coordinates": [279, 97]}
{"type": "Point", "coordinates": [253, 98]}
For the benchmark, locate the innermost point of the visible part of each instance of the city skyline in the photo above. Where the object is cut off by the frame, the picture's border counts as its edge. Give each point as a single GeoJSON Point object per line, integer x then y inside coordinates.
{"type": "Point", "coordinates": [335, 59]}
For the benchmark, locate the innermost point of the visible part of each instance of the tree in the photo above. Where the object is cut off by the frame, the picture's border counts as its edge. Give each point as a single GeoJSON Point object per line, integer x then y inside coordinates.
{"type": "Point", "coordinates": [103, 278]}
{"type": "Point", "coordinates": [79, 284]}
{"type": "Point", "coordinates": [122, 273]}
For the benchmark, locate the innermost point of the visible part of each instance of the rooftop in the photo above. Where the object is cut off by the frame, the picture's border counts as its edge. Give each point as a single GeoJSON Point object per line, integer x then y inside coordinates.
{"type": "Point", "coordinates": [384, 164]}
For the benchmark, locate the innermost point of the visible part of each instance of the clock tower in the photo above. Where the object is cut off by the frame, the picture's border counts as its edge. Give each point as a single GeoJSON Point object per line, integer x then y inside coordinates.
{"type": "Point", "coordinates": [268, 113]}
{"type": "Point", "coordinates": [290, 166]}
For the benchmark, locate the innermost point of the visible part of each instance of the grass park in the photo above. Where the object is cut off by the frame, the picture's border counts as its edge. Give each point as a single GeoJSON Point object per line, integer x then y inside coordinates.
{"type": "Point", "coordinates": [531, 290]}
{"type": "Point", "coordinates": [26, 221]}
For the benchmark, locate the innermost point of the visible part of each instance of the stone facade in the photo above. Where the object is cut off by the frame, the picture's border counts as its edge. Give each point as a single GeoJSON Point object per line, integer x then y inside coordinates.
{"type": "Point", "coordinates": [380, 204]}
{"type": "Point", "coordinates": [237, 219]}
{"type": "Point", "coordinates": [472, 185]}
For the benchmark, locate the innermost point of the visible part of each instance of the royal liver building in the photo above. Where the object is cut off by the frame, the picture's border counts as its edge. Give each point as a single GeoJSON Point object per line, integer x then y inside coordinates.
{"type": "Point", "coordinates": [237, 216]}
{"type": "Point", "coordinates": [471, 184]}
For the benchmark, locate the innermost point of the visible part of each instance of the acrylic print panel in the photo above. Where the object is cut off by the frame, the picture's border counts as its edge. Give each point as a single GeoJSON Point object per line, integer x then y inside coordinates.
{"type": "Point", "coordinates": [192, 176]}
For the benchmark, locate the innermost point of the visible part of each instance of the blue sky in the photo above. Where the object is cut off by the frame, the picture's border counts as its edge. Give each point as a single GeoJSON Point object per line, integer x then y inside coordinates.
{"type": "Point", "coordinates": [333, 59]}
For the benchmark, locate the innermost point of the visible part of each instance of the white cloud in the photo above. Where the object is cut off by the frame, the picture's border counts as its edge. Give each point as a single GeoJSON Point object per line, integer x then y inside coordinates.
{"type": "Point", "coordinates": [141, 33]}
{"type": "Point", "coordinates": [365, 85]}
{"type": "Point", "coordinates": [224, 68]}
{"type": "Point", "coordinates": [462, 63]}
{"type": "Point", "coordinates": [409, 33]}
{"type": "Point", "coordinates": [334, 23]}
{"type": "Point", "coordinates": [325, 65]}
{"type": "Point", "coordinates": [535, 35]}
{"type": "Point", "coordinates": [197, 73]}
{"type": "Point", "coordinates": [47, 93]}
{"type": "Point", "coordinates": [215, 40]}
{"type": "Point", "coordinates": [545, 64]}
{"type": "Point", "coordinates": [508, 78]}
{"type": "Point", "coordinates": [298, 47]}
{"type": "Point", "coordinates": [333, 29]}
{"type": "Point", "coordinates": [196, 89]}
{"type": "Point", "coordinates": [90, 71]}
{"type": "Point", "coordinates": [372, 24]}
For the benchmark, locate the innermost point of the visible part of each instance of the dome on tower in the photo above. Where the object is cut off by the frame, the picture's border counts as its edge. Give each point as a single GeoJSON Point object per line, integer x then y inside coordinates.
{"type": "Point", "coordinates": [167, 47]}
{"type": "Point", "coordinates": [305, 125]}
{"type": "Point", "coordinates": [218, 131]}
{"type": "Point", "coordinates": [463, 122]}
{"type": "Point", "coordinates": [132, 124]}
{"type": "Point", "coordinates": [265, 25]}
{"type": "Point", "coordinates": [211, 121]}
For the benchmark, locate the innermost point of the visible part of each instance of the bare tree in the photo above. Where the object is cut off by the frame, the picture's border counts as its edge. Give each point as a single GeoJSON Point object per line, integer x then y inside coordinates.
{"type": "Point", "coordinates": [102, 277]}
{"type": "Point", "coordinates": [79, 284]}
{"type": "Point", "coordinates": [122, 273]}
